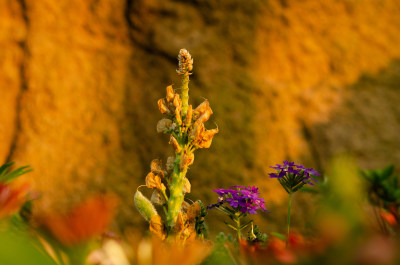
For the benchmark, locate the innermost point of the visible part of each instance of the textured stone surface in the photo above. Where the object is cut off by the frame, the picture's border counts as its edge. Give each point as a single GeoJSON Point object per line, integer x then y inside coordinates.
{"type": "Point", "coordinates": [286, 80]}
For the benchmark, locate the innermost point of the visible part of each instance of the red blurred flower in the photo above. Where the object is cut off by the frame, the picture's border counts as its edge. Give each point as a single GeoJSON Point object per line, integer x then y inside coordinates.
{"type": "Point", "coordinates": [85, 221]}
{"type": "Point", "coordinates": [389, 217]}
{"type": "Point", "coordinates": [275, 250]}
{"type": "Point", "coordinates": [12, 197]}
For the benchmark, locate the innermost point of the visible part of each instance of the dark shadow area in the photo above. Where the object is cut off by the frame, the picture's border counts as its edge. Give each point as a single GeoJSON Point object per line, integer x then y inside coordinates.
{"type": "Point", "coordinates": [367, 123]}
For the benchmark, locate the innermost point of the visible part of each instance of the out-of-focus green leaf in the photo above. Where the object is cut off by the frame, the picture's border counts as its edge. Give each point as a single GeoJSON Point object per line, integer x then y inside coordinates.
{"type": "Point", "coordinates": [220, 256]}
{"type": "Point", "coordinates": [387, 172]}
{"type": "Point", "coordinates": [278, 235]}
{"type": "Point", "coordinates": [17, 248]}
{"type": "Point", "coordinates": [7, 176]}
{"type": "Point", "coordinates": [397, 194]}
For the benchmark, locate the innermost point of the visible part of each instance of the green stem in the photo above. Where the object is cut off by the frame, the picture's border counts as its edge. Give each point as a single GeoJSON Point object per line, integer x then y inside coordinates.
{"type": "Point", "coordinates": [185, 94]}
{"type": "Point", "coordinates": [288, 218]}
{"type": "Point", "coordinates": [176, 196]}
{"type": "Point", "coordinates": [238, 229]}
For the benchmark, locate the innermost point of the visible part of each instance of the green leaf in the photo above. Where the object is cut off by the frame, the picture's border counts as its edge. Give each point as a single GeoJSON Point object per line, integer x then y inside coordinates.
{"type": "Point", "coordinates": [231, 226]}
{"type": "Point", "coordinates": [19, 248]}
{"type": "Point", "coordinates": [6, 176]}
{"type": "Point", "coordinates": [397, 194]}
{"type": "Point", "coordinates": [375, 175]}
{"type": "Point", "coordinates": [278, 235]}
{"type": "Point", "coordinates": [4, 168]}
{"type": "Point", "coordinates": [363, 173]}
{"type": "Point", "coordinates": [387, 172]}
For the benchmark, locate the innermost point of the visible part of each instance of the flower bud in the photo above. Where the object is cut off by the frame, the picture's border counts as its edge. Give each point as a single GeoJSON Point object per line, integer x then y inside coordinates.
{"type": "Point", "coordinates": [175, 144]}
{"type": "Point", "coordinates": [144, 206]}
{"type": "Point", "coordinates": [185, 62]}
{"type": "Point", "coordinates": [177, 102]}
{"type": "Point", "coordinates": [162, 106]}
{"type": "Point", "coordinates": [170, 93]}
{"type": "Point", "coordinates": [178, 116]}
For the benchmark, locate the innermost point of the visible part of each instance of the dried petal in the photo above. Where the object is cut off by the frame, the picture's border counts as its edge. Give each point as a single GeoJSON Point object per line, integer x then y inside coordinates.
{"type": "Point", "coordinates": [205, 139]}
{"type": "Point", "coordinates": [170, 93]}
{"type": "Point", "coordinates": [164, 125]}
{"type": "Point", "coordinates": [204, 117]}
{"type": "Point", "coordinates": [193, 211]}
{"type": "Point", "coordinates": [156, 167]}
{"type": "Point", "coordinates": [197, 131]}
{"type": "Point", "coordinates": [157, 227]}
{"type": "Point", "coordinates": [162, 106]}
{"type": "Point", "coordinates": [201, 108]}
{"type": "Point", "coordinates": [157, 198]}
{"type": "Point", "coordinates": [187, 160]}
{"type": "Point", "coordinates": [189, 233]}
{"type": "Point", "coordinates": [170, 163]}
{"type": "Point", "coordinates": [185, 206]}
{"type": "Point", "coordinates": [188, 118]}
{"type": "Point", "coordinates": [186, 186]}
{"type": "Point", "coordinates": [175, 144]}
{"type": "Point", "coordinates": [180, 223]}
{"type": "Point", "coordinates": [154, 181]}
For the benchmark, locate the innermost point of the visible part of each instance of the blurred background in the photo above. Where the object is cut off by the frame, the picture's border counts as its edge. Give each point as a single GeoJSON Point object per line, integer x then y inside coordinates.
{"type": "Point", "coordinates": [286, 79]}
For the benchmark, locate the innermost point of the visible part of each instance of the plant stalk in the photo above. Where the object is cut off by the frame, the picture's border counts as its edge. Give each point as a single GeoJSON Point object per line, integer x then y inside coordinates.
{"type": "Point", "coordinates": [185, 94]}
{"type": "Point", "coordinates": [176, 192]}
{"type": "Point", "coordinates": [288, 219]}
{"type": "Point", "coordinates": [238, 229]}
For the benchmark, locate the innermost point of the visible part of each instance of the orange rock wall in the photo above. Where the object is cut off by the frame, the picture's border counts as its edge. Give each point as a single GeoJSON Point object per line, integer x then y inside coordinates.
{"type": "Point", "coordinates": [300, 80]}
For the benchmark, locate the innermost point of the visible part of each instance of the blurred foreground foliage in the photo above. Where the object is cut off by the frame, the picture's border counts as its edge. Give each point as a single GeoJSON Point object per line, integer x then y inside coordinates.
{"type": "Point", "coordinates": [348, 227]}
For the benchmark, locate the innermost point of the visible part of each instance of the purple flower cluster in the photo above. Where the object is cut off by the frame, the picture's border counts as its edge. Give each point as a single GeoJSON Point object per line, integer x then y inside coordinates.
{"type": "Point", "coordinates": [296, 170]}
{"type": "Point", "coordinates": [243, 199]}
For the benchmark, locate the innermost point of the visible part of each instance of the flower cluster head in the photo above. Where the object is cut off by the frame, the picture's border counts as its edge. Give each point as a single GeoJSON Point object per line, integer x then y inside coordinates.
{"type": "Point", "coordinates": [185, 62]}
{"type": "Point", "coordinates": [292, 177]}
{"type": "Point", "coordinates": [241, 199]}
{"type": "Point", "coordinates": [190, 124]}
